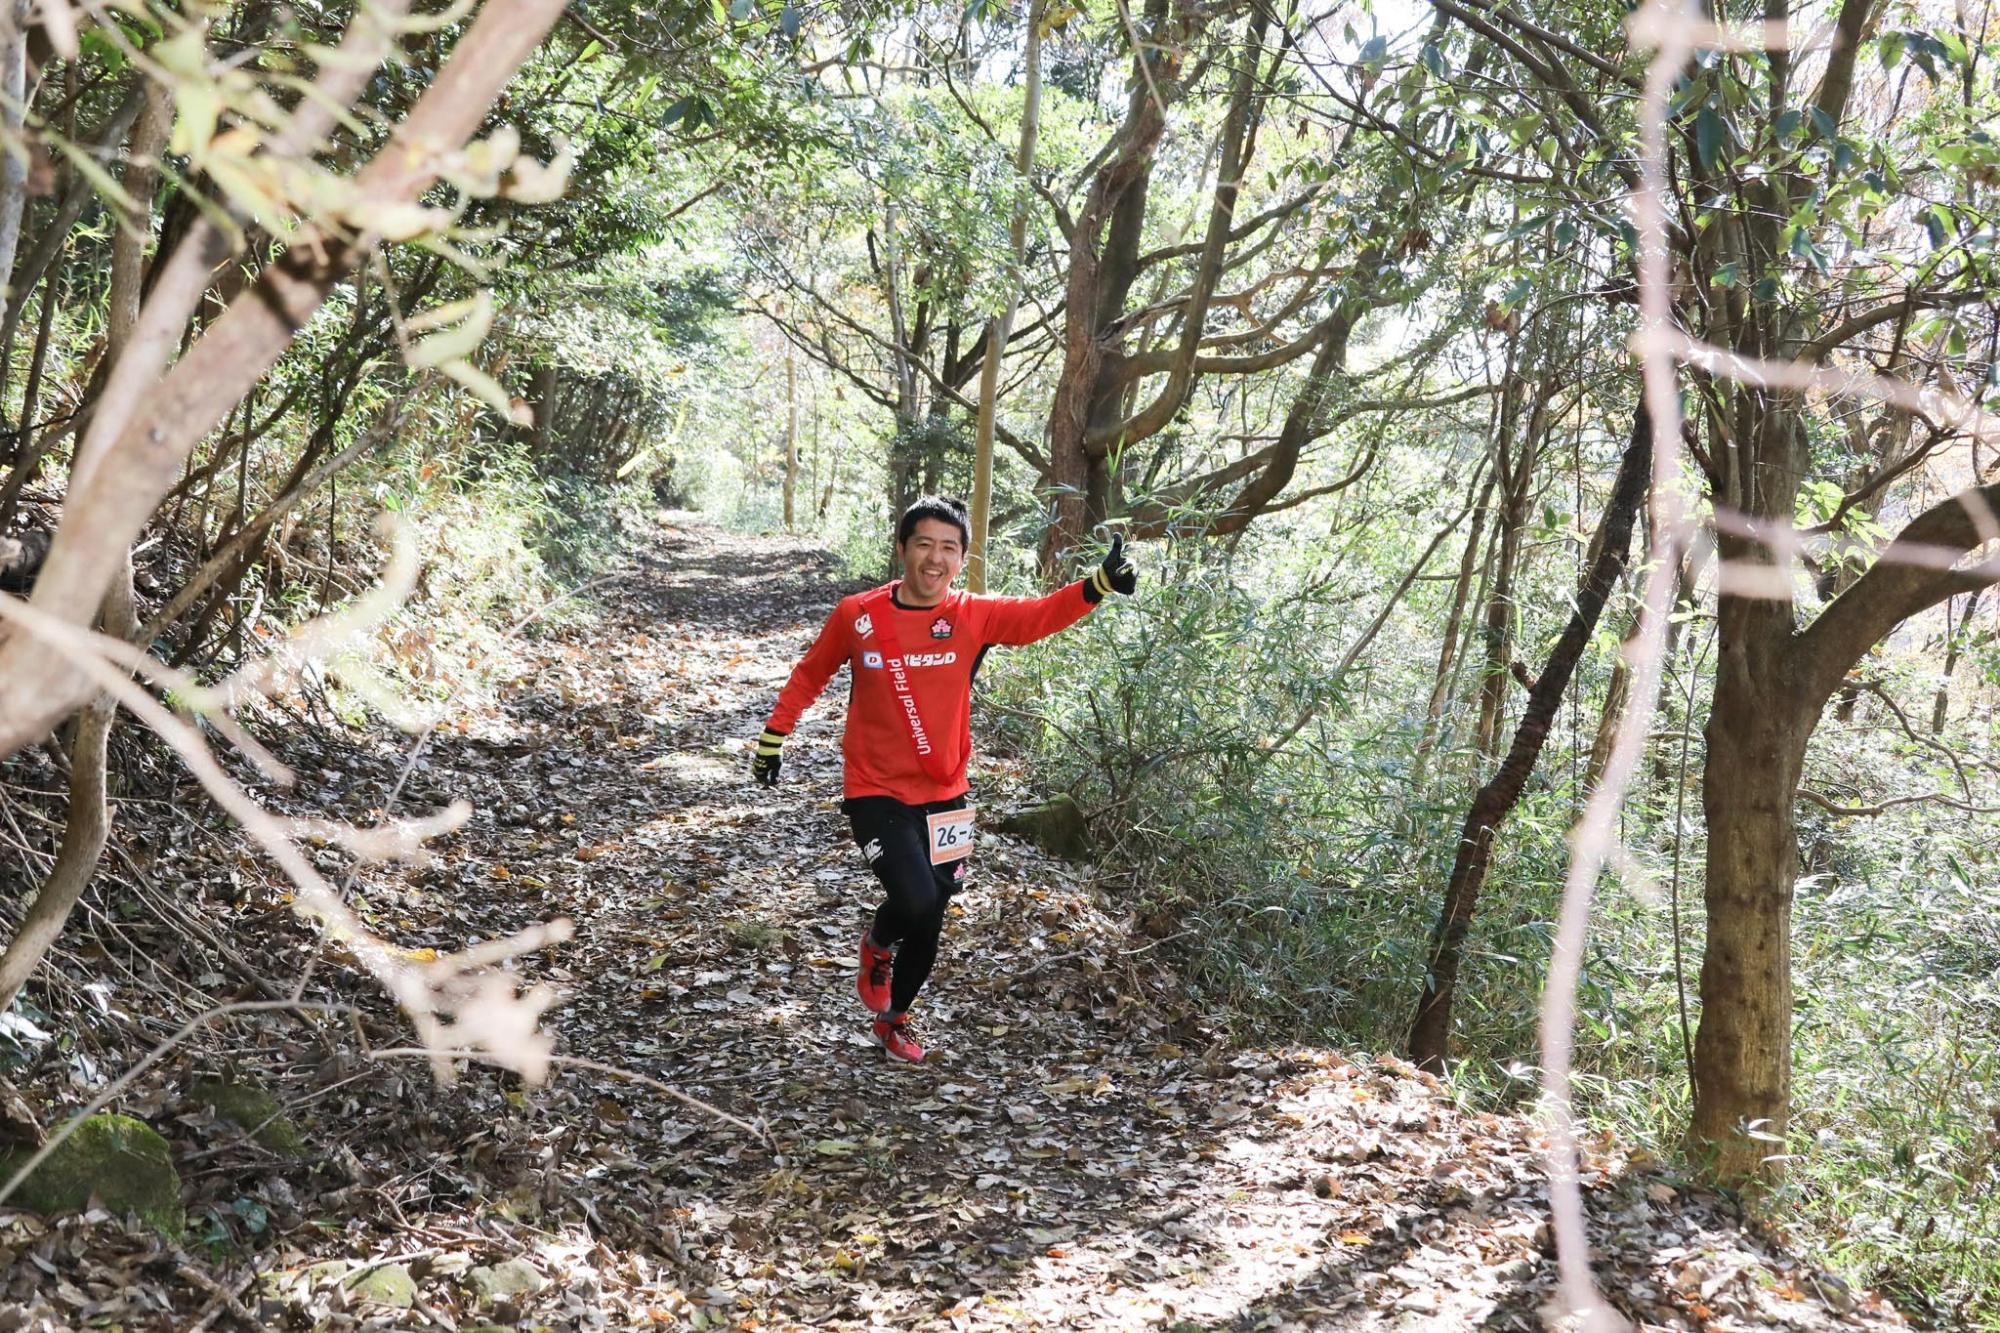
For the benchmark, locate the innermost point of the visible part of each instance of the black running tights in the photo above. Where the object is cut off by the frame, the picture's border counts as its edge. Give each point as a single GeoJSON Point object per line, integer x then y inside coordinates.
{"type": "Point", "coordinates": [893, 837]}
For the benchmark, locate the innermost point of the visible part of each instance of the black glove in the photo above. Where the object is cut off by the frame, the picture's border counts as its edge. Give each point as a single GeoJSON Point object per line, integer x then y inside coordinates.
{"type": "Point", "coordinates": [1117, 574]}
{"type": "Point", "coordinates": [764, 768]}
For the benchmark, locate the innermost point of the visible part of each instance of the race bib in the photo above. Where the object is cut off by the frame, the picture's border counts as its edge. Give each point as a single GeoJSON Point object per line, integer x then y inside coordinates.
{"type": "Point", "coordinates": [950, 835]}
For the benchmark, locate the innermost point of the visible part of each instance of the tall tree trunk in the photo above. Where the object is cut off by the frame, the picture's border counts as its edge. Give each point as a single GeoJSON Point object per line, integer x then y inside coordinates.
{"type": "Point", "coordinates": [832, 476]}
{"type": "Point", "coordinates": [1430, 1030]}
{"type": "Point", "coordinates": [1002, 324]}
{"type": "Point", "coordinates": [1758, 724]}
{"type": "Point", "coordinates": [909, 407]}
{"type": "Point", "coordinates": [31, 441]}
{"type": "Point", "coordinates": [1772, 680]}
{"type": "Point", "coordinates": [1517, 484]}
{"type": "Point", "coordinates": [548, 394]}
{"type": "Point", "coordinates": [1756, 742]}
{"type": "Point", "coordinates": [1104, 252]}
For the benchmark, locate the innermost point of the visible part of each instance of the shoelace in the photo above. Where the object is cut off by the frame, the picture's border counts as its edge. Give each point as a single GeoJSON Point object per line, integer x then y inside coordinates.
{"type": "Point", "coordinates": [882, 970]}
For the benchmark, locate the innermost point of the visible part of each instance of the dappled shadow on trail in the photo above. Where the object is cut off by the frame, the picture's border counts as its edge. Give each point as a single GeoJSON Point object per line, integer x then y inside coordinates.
{"type": "Point", "coordinates": [1078, 1151]}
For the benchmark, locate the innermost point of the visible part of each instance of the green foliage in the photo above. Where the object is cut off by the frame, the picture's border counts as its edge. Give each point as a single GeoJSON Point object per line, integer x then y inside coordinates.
{"type": "Point", "coordinates": [1297, 890]}
{"type": "Point", "coordinates": [1272, 858]}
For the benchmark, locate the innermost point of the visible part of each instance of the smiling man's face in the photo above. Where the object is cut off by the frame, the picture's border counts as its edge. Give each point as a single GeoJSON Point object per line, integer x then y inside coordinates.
{"type": "Point", "coordinates": [932, 558]}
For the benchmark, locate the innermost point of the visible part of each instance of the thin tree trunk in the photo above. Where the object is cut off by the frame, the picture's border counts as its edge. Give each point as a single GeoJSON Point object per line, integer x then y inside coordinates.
{"type": "Point", "coordinates": [13, 110]}
{"type": "Point", "coordinates": [1468, 565]}
{"type": "Point", "coordinates": [832, 470]}
{"type": "Point", "coordinates": [32, 443]}
{"type": "Point", "coordinates": [1430, 1031]}
{"type": "Point", "coordinates": [1954, 642]}
{"type": "Point", "coordinates": [548, 389]}
{"type": "Point", "coordinates": [791, 435]}
{"type": "Point", "coordinates": [86, 827]}
{"type": "Point", "coordinates": [902, 490]}
{"type": "Point", "coordinates": [812, 473]}
{"type": "Point", "coordinates": [1686, 604]}
{"type": "Point", "coordinates": [128, 250]}
{"type": "Point", "coordinates": [1614, 711]}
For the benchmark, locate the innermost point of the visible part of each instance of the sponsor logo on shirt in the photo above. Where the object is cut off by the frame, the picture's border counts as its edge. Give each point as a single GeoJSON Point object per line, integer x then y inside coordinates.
{"type": "Point", "coordinates": [899, 681]}
{"type": "Point", "coordinates": [871, 659]}
{"type": "Point", "coordinates": [940, 628]}
{"type": "Point", "coordinates": [863, 627]}
{"type": "Point", "coordinates": [930, 659]}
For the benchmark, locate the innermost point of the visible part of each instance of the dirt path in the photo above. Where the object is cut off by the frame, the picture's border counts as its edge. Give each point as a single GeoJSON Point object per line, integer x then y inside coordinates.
{"type": "Point", "coordinates": [1076, 1152]}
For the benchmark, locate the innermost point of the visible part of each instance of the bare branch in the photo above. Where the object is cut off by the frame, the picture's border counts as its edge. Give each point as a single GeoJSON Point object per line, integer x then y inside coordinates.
{"type": "Point", "coordinates": [1840, 335]}
{"type": "Point", "coordinates": [1827, 804]}
{"type": "Point", "coordinates": [126, 465]}
{"type": "Point", "coordinates": [1917, 570]}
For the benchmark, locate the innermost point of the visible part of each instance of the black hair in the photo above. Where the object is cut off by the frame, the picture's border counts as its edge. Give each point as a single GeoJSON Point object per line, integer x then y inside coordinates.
{"type": "Point", "coordinates": [944, 508]}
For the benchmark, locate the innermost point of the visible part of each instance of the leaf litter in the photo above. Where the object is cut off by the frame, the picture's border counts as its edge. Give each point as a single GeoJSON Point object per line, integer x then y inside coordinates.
{"type": "Point", "coordinates": [1079, 1151]}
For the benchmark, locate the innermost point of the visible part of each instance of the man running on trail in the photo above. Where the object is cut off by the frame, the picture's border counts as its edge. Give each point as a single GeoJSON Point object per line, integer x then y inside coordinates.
{"type": "Point", "coordinates": [914, 646]}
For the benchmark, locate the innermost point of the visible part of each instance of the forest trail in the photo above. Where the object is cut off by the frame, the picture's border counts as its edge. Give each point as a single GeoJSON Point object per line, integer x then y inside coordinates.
{"type": "Point", "coordinates": [1078, 1152]}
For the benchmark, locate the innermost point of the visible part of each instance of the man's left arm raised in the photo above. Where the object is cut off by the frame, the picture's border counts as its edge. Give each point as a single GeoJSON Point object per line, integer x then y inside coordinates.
{"type": "Point", "coordinates": [1019, 620]}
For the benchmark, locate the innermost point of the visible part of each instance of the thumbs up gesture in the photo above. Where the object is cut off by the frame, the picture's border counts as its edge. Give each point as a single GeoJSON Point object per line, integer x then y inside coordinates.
{"type": "Point", "coordinates": [1117, 574]}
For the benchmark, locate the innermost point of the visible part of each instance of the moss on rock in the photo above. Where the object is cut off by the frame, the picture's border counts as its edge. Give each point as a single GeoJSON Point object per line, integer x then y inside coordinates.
{"type": "Point", "coordinates": [120, 1161]}
{"type": "Point", "coordinates": [516, 1277]}
{"type": "Point", "coordinates": [255, 1110]}
{"type": "Point", "coordinates": [388, 1284]}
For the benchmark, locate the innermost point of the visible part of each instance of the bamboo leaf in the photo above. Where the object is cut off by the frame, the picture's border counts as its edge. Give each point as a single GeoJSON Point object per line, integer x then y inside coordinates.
{"type": "Point", "coordinates": [455, 344]}
{"type": "Point", "coordinates": [1708, 137]}
{"type": "Point", "coordinates": [489, 391]}
{"type": "Point", "coordinates": [451, 313]}
{"type": "Point", "coordinates": [100, 180]}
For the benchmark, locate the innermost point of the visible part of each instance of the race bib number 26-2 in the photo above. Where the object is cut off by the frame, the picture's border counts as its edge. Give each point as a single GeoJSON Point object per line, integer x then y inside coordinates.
{"type": "Point", "coordinates": [950, 835]}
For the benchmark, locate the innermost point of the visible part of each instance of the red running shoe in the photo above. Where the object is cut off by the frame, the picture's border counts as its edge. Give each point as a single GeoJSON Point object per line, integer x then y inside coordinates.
{"type": "Point", "coordinates": [877, 968]}
{"type": "Point", "coordinates": [893, 1036]}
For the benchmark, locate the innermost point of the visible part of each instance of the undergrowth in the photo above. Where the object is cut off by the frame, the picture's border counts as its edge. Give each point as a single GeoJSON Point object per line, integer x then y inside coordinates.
{"type": "Point", "coordinates": [509, 552]}
{"type": "Point", "coordinates": [1275, 823]}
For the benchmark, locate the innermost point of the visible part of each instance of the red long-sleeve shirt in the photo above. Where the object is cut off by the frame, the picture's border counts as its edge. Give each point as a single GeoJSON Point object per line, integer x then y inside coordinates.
{"type": "Point", "coordinates": [940, 647]}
